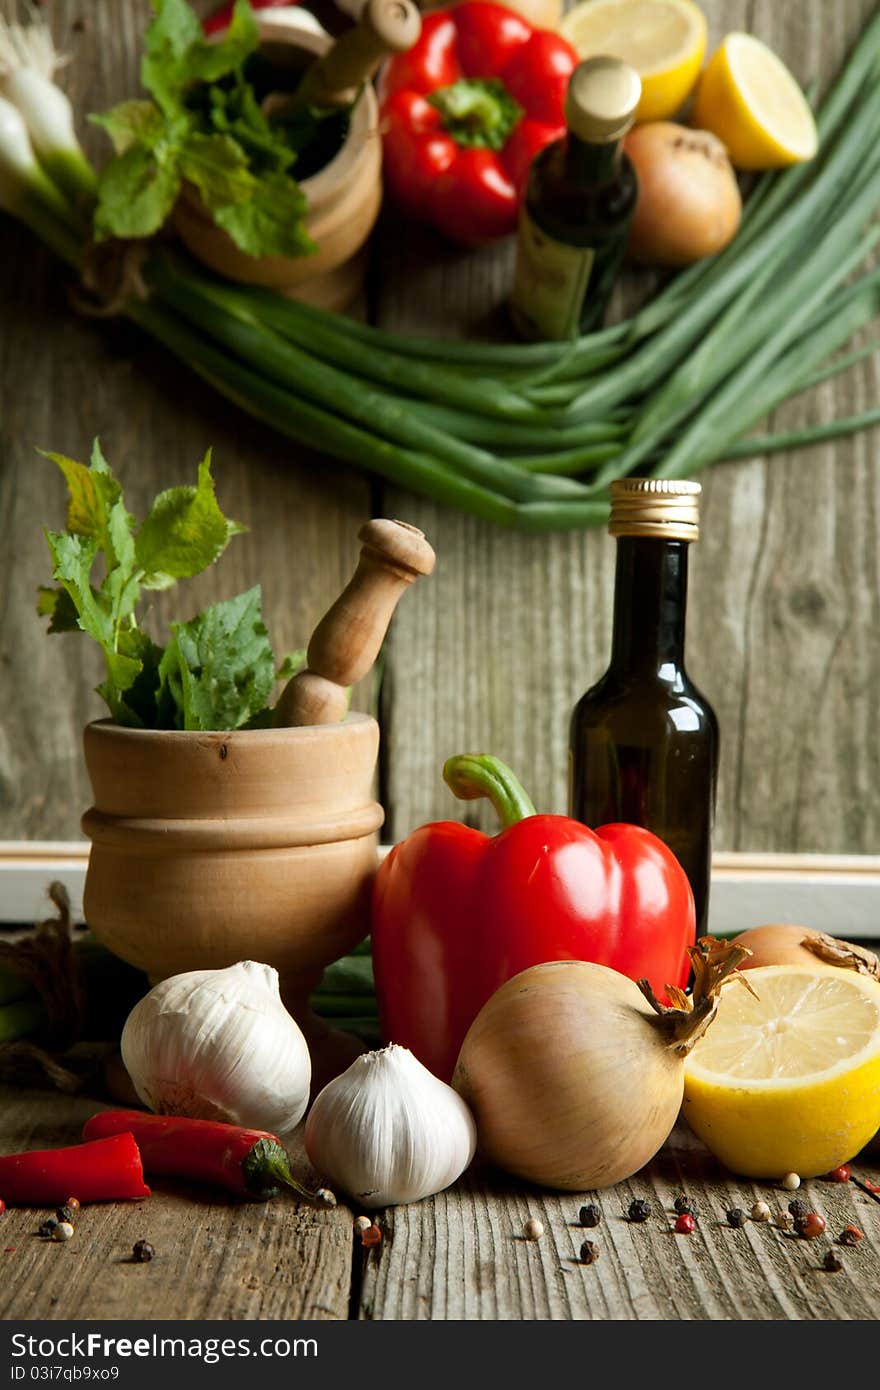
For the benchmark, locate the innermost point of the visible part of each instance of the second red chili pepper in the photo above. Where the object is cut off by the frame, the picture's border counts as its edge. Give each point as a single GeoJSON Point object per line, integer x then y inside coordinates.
{"type": "Point", "coordinates": [248, 1162]}
{"type": "Point", "coordinates": [107, 1170]}
{"type": "Point", "coordinates": [464, 113]}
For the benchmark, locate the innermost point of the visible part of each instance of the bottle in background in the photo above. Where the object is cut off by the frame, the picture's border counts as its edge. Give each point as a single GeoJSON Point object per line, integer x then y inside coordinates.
{"type": "Point", "coordinates": [580, 197]}
{"type": "Point", "coordinates": [644, 740]}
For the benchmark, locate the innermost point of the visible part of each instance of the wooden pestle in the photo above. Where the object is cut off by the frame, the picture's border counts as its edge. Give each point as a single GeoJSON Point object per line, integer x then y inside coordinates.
{"type": "Point", "coordinates": [384, 27]}
{"type": "Point", "coordinates": [346, 641]}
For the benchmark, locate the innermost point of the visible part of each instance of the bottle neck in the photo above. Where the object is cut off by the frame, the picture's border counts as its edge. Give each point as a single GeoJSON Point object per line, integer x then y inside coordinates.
{"type": "Point", "coordinates": [588, 164]}
{"type": "Point", "coordinates": [650, 600]}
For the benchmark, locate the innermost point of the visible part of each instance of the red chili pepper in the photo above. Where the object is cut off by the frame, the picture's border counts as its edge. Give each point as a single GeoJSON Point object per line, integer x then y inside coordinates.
{"type": "Point", "coordinates": [464, 113]}
{"type": "Point", "coordinates": [220, 19]}
{"type": "Point", "coordinates": [248, 1162]}
{"type": "Point", "coordinates": [457, 912]}
{"type": "Point", "coordinates": [108, 1170]}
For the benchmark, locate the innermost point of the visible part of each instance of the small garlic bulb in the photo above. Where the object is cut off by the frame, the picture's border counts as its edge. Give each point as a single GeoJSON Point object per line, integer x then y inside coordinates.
{"type": "Point", "coordinates": [219, 1045]}
{"type": "Point", "coordinates": [388, 1131]}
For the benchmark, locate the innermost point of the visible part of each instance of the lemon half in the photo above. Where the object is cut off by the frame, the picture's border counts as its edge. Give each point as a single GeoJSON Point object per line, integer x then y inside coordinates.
{"type": "Point", "coordinates": [788, 1081]}
{"type": "Point", "coordinates": [749, 99]}
{"type": "Point", "coordinates": [664, 40]}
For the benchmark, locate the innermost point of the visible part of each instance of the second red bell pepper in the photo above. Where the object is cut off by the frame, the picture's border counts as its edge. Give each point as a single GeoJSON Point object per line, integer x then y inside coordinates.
{"type": "Point", "coordinates": [457, 912]}
{"type": "Point", "coordinates": [464, 113]}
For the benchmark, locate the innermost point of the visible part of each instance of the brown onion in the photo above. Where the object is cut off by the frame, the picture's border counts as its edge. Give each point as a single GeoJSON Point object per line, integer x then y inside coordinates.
{"type": "Point", "coordinates": [785, 943]}
{"type": "Point", "coordinates": [575, 1074]}
{"type": "Point", "coordinates": [689, 203]}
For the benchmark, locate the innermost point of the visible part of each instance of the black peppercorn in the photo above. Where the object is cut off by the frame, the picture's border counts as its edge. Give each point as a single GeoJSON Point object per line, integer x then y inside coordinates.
{"type": "Point", "coordinates": [589, 1215]}
{"type": "Point", "coordinates": [66, 1214]}
{"type": "Point", "coordinates": [736, 1217]}
{"type": "Point", "coordinates": [684, 1206]}
{"type": "Point", "coordinates": [639, 1209]}
{"type": "Point", "coordinates": [589, 1253]}
{"type": "Point", "coordinates": [832, 1261]}
{"type": "Point", "coordinates": [799, 1208]}
{"type": "Point", "coordinates": [47, 1227]}
{"type": "Point", "coordinates": [142, 1252]}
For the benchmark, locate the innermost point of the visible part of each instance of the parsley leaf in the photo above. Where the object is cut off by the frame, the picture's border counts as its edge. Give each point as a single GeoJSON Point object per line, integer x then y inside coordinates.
{"type": "Point", "coordinates": [136, 192]}
{"type": "Point", "coordinates": [270, 222]}
{"type": "Point", "coordinates": [219, 667]}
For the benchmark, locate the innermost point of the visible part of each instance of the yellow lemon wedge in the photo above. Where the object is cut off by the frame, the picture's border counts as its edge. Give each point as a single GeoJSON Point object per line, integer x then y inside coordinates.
{"type": "Point", "coordinates": [749, 99]}
{"type": "Point", "coordinates": [664, 40]}
{"type": "Point", "coordinates": [788, 1082]}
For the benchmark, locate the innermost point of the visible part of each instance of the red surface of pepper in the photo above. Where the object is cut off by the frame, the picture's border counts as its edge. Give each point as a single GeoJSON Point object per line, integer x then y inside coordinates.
{"type": "Point", "coordinates": [464, 113]}
{"type": "Point", "coordinates": [219, 20]}
{"type": "Point", "coordinates": [248, 1162]}
{"type": "Point", "coordinates": [457, 912]}
{"type": "Point", "coordinates": [108, 1170]}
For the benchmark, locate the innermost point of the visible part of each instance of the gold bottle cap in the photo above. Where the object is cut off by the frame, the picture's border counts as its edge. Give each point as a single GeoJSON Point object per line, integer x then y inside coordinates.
{"type": "Point", "coordinates": [601, 101]}
{"type": "Point", "coordinates": [655, 507]}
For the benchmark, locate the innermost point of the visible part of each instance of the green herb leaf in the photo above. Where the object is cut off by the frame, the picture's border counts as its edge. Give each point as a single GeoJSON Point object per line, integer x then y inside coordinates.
{"type": "Point", "coordinates": [184, 533]}
{"type": "Point", "coordinates": [59, 608]}
{"type": "Point", "coordinates": [136, 192]}
{"type": "Point", "coordinates": [219, 667]}
{"type": "Point", "coordinates": [219, 169]}
{"type": "Point", "coordinates": [164, 69]}
{"type": "Point", "coordinates": [292, 662]}
{"type": "Point", "coordinates": [132, 123]}
{"type": "Point", "coordinates": [206, 62]}
{"type": "Point", "coordinates": [270, 223]}
{"type": "Point", "coordinates": [73, 557]}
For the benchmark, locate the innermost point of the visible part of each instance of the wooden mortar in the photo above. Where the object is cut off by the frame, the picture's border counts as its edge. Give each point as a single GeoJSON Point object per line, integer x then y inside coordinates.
{"type": "Point", "coordinates": [344, 197]}
{"type": "Point", "coordinates": [260, 844]}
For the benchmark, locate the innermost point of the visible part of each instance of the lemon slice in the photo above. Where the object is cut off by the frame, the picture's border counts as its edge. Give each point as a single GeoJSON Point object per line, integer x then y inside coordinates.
{"type": "Point", "coordinates": [664, 40]}
{"type": "Point", "coordinates": [788, 1081]}
{"type": "Point", "coordinates": [749, 99]}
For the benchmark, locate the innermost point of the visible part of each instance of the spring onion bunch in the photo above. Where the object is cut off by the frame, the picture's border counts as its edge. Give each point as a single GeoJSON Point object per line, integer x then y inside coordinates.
{"type": "Point", "coordinates": [523, 435]}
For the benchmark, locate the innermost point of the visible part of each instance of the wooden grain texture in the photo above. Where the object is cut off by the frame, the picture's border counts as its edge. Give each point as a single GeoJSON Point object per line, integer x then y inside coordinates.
{"type": "Point", "coordinates": [463, 1255]}
{"type": "Point", "coordinates": [784, 594]}
{"type": "Point", "coordinates": [65, 379]}
{"type": "Point", "coordinates": [215, 1258]}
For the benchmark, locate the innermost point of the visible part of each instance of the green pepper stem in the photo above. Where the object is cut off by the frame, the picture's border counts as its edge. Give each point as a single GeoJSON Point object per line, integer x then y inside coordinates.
{"type": "Point", "coordinates": [472, 775]}
{"type": "Point", "coordinates": [267, 1165]}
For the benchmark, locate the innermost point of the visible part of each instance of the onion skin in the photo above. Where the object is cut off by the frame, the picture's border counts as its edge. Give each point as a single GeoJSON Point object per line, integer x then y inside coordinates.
{"type": "Point", "coordinates": [570, 1078]}
{"type": "Point", "coordinates": [689, 202]}
{"type": "Point", "coordinates": [777, 943]}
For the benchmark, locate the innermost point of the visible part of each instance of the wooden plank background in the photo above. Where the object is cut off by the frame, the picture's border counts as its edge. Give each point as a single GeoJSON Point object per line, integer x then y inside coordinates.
{"type": "Point", "coordinates": [494, 650]}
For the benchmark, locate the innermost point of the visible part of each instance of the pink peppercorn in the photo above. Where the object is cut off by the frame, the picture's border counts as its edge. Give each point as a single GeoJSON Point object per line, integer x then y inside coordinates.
{"type": "Point", "coordinates": [685, 1224]}
{"type": "Point", "coordinates": [811, 1225]}
{"type": "Point", "coordinates": [841, 1174]}
{"type": "Point", "coordinates": [373, 1236]}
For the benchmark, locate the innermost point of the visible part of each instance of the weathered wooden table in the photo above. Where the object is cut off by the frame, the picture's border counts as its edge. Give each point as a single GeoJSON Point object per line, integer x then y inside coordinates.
{"type": "Point", "coordinates": [490, 653]}
{"type": "Point", "coordinates": [460, 1255]}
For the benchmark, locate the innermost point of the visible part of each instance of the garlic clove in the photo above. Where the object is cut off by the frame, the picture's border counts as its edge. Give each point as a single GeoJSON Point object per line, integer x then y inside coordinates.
{"type": "Point", "coordinates": [219, 1044]}
{"type": "Point", "coordinates": [388, 1131]}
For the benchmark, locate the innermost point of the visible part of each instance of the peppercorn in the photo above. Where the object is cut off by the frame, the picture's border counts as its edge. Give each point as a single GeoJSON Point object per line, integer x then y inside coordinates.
{"type": "Point", "coordinates": [784, 1220]}
{"type": "Point", "coordinates": [639, 1209]}
{"type": "Point", "coordinates": [810, 1226]}
{"type": "Point", "coordinates": [2, 1206]}
{"type": "Point", "coordinates": [47, 1227]}
{"type": "Point", "coordinates": [589, 1252]}
{"type": "Point", "coordinates": [798, 1208]}
{"type": "Point", "coordinates": [372, 1236]}
{"type": "Point", "coordinates": [850, 1235]}
{"type": "Point", "coordinates": [66, 1213]}
{"type": "Point", "coordinates": [736, 1217]}
{"type": "Point", "coordinates": [684, 1206]}
{"type": "Point", "coordinates": [142, 1252]}
{"type": "Point", "coordinates": [326, 1197]}
{"type": "Point", "coordinates": [685, 1225]}
{"type": "Point", "coordinates": [791, 1182]}
{"type": "Point", "coordinates": [760, 1212]}
{"type": "Point", "coordinates": [73, 1203]}
{"type": "Point", "coordinates": [841, 1174]}
{"type": "Point", "coordinates": [361, 1224]}
{"type": "Point", "coordinates": [832, 1261]}
{"type": "Point", "coordinates": [63, 1230]}
{"type": "Point", "coordinates": [533, 1229]}
{"type": "Point", "coordinates": [589, 1215]}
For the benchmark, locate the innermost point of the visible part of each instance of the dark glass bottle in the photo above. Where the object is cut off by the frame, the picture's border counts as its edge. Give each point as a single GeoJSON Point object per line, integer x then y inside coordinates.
{"type": "Point", "coordinates": [644, 740]}
{"type": "Point", "coordinates": [580, 197]}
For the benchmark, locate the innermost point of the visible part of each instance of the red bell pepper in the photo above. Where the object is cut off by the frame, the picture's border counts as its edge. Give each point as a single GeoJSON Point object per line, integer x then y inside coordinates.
{"type": "Point", "coordinates": [107, 1170]}
{"type": "Point", "coordinates": [248, 1162]}
{"type": "Point", "coordinates": [457, 912]}
{"type": "Point", "coordinates": [464, 113]}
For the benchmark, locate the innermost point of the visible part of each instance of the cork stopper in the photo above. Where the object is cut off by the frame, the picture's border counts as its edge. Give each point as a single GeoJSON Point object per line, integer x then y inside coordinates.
{"type": "Point", "coordinates": [601, 101]}
{"type": "Point", "coordinates": [655, 507]}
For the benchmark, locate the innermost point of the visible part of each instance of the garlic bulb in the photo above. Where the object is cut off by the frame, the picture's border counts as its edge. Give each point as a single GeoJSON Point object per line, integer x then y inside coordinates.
{"type": "Point", "coordinates": [219, 1045]}
{"type": "Point", "coordinates": [388, 1131]}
